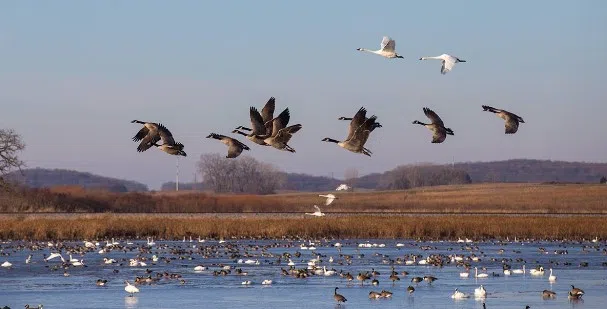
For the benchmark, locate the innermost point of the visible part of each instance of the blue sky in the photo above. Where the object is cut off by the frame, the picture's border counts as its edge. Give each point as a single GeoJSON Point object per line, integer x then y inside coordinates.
{"type": "Point", "coordinates": [73, 74]}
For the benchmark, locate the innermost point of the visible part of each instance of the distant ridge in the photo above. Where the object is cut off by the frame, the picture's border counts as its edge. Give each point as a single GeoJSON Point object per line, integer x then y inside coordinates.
{"type": "Point", "coordinates": [43, 178]}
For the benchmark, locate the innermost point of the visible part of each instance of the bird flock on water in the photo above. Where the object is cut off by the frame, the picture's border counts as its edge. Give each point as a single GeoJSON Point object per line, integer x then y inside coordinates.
{"type": "Point", "coordinates": [267, 130]}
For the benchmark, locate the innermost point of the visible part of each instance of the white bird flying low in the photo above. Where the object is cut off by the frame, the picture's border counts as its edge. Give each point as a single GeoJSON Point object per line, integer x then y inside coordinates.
{"type": "Point", "coordinates": [387, 49]}
{"type": "Point", "coordinates": [317, 213]}
{"type": "Point", "coordinates": [330, 198]}
{"type": "Point", "coordinates": [447, 60]}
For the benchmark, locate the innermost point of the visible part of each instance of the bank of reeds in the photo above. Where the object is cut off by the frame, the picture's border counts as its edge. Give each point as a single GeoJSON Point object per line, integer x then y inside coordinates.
{"type": "Point", "coordinates": [75, 227]}
{"type": "Point", "coordinates": [493, 198]}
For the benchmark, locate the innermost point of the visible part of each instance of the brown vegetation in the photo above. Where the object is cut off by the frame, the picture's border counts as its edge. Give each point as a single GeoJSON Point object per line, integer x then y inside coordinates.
{"type": "Point", "coordinates": [78, 227]}
{"type": "Point", "coordinates": [482, 198]}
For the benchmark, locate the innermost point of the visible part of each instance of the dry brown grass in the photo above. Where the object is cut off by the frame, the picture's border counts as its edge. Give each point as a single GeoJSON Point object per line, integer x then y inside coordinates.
{"type": "Point", "coordinates": [76, 227]}
{"type": "Point", "coordinates": [476, 198]}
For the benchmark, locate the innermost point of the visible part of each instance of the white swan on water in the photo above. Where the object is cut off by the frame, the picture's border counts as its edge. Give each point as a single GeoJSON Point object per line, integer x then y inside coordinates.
{"type": "Point", "coordinates": [131, 289]}
{"type": "Point", "coordinates": [387, 49]}
{"type": "Point", "coordinates": [447, 60]}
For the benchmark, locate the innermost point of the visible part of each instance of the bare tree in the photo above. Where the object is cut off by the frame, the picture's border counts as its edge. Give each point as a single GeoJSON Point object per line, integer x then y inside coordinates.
{"type": "Point", "coordinates": [351, 174]}
{"type": "Point", "coordinates": [242, 175]}
{"type": "Point", "coordinates": [10, 145]}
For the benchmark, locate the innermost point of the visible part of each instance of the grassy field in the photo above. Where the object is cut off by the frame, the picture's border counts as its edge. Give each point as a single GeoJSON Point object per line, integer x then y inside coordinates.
{"type": "Point", "coordinates": [476, 198]}
{"type": "Point", "coordinates": [104, 226]}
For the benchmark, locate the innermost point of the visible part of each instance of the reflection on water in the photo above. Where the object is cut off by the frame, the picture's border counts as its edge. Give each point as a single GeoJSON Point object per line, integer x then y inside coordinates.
{"type": "Point", "coordinates": [168, 280]}
{"type": "Point", "coordinates": [130, 301]}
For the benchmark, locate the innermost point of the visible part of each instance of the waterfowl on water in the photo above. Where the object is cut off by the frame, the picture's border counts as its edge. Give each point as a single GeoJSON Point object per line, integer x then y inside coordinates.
{"type": "Point", "coordinates": [338, 297]}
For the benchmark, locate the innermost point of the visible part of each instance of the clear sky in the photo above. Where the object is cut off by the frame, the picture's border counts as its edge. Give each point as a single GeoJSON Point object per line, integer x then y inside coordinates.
{"type": "Point", "coordinates": [73, 74]}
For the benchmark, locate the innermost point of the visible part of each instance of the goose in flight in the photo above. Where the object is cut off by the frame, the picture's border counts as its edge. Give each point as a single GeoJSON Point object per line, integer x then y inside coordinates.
{"type": "Point", "coordinates": [235, 147]}
{"type": "Point", "coordinates": [437, 126]}
{"type": "Point", "coordinates": [447, 60]}
{"type": "Point", "coordinates": [511, 120]}
{"type": "Point", "coordinates": [280, 134]}
{"type": "Point", "coordinates": [363, 112]}
{"type": "Point", "coordinates": [317, 213]}
{"type": "Point", "coordinates": [259, 123]}
{"type": "Point", "coordinates": [152, 133]}
{"type": "Point", "coordinates": [330, 198]}
{"type": "Point", "coordinates": [358, 134]}
{"type": "Point", "coordinates": [387, 48]}
{"type": "Point", "coordinates": [175, 149]}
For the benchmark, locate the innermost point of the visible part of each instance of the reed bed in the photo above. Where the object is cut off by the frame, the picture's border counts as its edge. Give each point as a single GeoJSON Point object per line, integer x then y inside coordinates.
{"type": "Point", "coordinates": [353, 227]}
{"type": "Point", "coordinates": [475, 198]}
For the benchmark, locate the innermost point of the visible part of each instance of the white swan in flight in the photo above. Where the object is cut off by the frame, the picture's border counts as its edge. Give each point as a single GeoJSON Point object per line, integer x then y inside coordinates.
{"type": "Point", "coordinates": [317, 213]}
{"type": "Point", "coordinates": [448, 62]}
{"type": "Point", "coordinates": [330, 198]}
{"type": "Point", "coordinates": [387, 48]}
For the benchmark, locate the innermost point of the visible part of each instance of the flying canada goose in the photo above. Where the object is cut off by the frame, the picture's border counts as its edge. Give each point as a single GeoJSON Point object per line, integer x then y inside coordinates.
{"type": "Point", "coordinates": [575, 292]}
{"type": "Point", "coordinates": [447, 60]}
{"type": "Point", "coordinates": [358, 133]}
{"type": "Point", "coordinates": [548, 294]}
{"type": "Point", "coordinates": [338, 297]}
{"type": "Point", "coordinates": [280, 134]}
{"type": "Point", "coordinates": [363, 115]}
{"type": "Point", "coordinates": [27, 306]}
{"type": "Point", "coordinates": [259, 123]}
{"type": "Point", "coordinates": [175, 149]}
{"type": "Point", "coordinates": [437, 126]}
{"type": "Point", "coordinates": [387, 48]}
{"type": "Point", "coordinates": [330, 198]}
{"type": "Point", "coordinates": [511, 120]}
{"type": "Point", "coordinates": [150, 134]}
{"type": "Point", "coordinates": [235, 147]}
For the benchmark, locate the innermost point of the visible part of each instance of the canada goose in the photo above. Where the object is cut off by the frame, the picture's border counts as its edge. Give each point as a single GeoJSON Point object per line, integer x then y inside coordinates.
{"type": "Point", "coordinates": [447, 60]}
{"type": "Point", "coordinates": [361, 116]}
{"type": "Point", "coordinates": [259, 120]}
{"type": "Point", "coordinates": [280, 134]}
{"type": "Point", "coordinates": [358, 134]}
{"type": "Point", "coordinates": [338, 297]}
{"type": "Point", "coordinates": [387, 48]}
{"type": "Point", "coordinates": [480, 291]}
{"type": "Point", "coordinates": [317, 213]}
{"type": "Point", "coordinates": [394, 278]}
{"type": "Point", "coordinates": [101, 282]}
{"type": "Point", "coordinates": [575, 292]}
{"type": "Point", "coordinates": [386, 294]}
{"type": "Point", "coordinates": [131, 289]}
{"type": "Point", "coordinates": [410, 289]}
{"type": "Point", "coordinates": [235, 147]}
{"type": "Point", "coordinates": [548, 294]}
{"type": "Point", "coordinates": [437, 126]}
{"type": "Point", "coordinates": [260, 123]}
{"type": "Point", "coordinates": [511, 120]}
{"type": "Point", "coordinates": [150, 134]}
{"type": "Point", "coordinates": [375, 282]}
{"type": "Point", "coordinates": [330, 198]}
{"type": "Point", "coordinates": [362, 277]}
{"type": "Point", "coordinates": [430, 279]}
{"type": "Point", "coordinates": [417, 279]}
{"type": "Point", "coordinates": [175, 149]}
{"type": "Point", "coordinates": [27, 306]}
{"type": "Point", "coordinates": [374, 295]}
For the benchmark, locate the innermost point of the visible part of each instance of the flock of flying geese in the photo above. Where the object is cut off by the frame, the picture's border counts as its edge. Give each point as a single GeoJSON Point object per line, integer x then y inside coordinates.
{"type": "Point", "coordinates": [267, 130]}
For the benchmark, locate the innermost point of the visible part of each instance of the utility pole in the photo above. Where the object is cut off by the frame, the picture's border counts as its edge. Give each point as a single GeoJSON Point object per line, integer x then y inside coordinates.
{"type": "Point", "coordinates": [177, 175]}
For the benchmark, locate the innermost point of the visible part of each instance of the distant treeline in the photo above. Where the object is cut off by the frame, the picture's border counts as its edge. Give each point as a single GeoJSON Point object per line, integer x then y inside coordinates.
{"type": "Point", "coordinates": [43, 178]}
